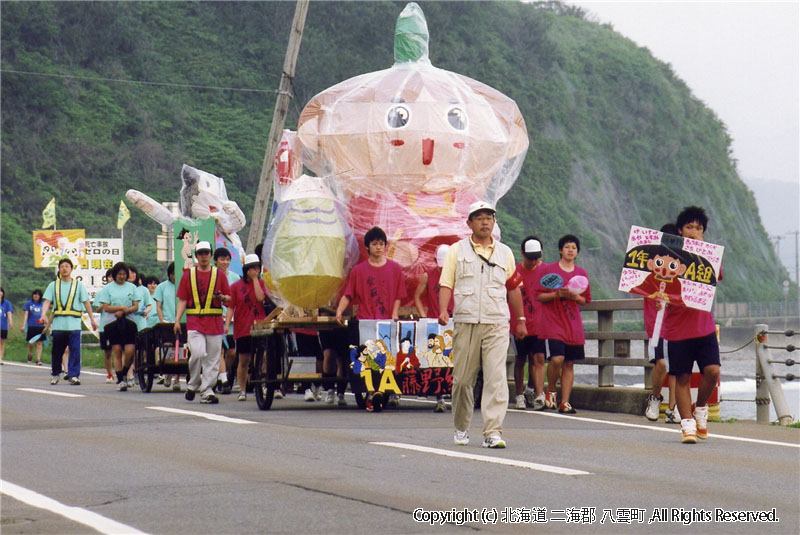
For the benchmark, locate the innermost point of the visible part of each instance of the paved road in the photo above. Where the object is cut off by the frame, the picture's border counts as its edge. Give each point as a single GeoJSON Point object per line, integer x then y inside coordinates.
{"type": "Point", "coordinates": [122, 462]}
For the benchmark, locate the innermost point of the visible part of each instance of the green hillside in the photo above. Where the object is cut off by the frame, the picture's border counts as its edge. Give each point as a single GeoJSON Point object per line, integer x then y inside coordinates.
{"type": "Point", "coordinates": [615, 138]}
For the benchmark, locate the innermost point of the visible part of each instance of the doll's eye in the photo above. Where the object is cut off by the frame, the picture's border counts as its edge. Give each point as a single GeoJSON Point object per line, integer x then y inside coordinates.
{"type": "Point", "coordinates": [398, 117]}
{"type": "Point", "coordinates": [659, 262]}
{"type": "Point", "coordinates": [673, 265]}
{"type": "Point", "coordinates": [457, 118]}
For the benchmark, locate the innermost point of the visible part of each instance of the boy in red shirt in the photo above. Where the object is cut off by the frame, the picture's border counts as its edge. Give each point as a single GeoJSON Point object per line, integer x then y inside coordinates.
{"type": "Point", "coordinates": [561, 325]}
{"type": "Point", "coordinates": [691, 335]}
{"type": "Point", "coordinates": [531, 348]}
{"type": "Point", "coordinates": [376, 285]}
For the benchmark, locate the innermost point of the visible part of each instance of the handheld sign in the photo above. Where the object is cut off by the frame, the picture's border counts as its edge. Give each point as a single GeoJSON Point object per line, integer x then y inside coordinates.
{"type": "Point", "coordinates": [674, 270]}
{"type": "Point", "coordinates": [35, 338]}
{"type": "Point", "coordinates": [578, 284]}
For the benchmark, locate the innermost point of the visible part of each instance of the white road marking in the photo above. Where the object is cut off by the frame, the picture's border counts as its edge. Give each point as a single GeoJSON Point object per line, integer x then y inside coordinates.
{"type": "Point", "coordinates": [52, 393]}
{"type": "Point", "coordinates": [676, 429]}
{"type": "Point", "coordinates": [77, 514]}
{"type": "Point", "coordinates": [208, 416]}
{"type": "Point", "coordinates": [485, 459]}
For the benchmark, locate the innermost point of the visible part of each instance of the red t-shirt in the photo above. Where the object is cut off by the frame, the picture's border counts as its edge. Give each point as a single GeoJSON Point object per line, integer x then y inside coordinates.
{"type": "Point", "coordinates": [431, 295]}
{"type": "Point", "coordinates": [246, 308]}
{"type": "Point", "coordinates": [530, 306]}
{"type": "Point", "coordinates": [203, 324]}
{"type": "Point", "coordinates": [561, 319]}
{"type": "Point", "coordinates": [682, 323]}
{"type": "Point", "coordinates": [375, 289]}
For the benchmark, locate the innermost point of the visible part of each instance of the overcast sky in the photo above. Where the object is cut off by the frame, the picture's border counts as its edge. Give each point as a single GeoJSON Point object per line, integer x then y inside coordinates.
{"type": "Point", "coordinates": [741, 58]}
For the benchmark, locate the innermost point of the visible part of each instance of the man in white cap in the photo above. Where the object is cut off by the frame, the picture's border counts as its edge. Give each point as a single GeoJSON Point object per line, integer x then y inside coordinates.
{"type": "Point", "coordinates": [426, 299]}
{"type": "Point", "coordinates": [529, 349]}
{"type": "Point", "coordinates": [479, 273]}
{"type": "Point", "coordinates": [201, 292]}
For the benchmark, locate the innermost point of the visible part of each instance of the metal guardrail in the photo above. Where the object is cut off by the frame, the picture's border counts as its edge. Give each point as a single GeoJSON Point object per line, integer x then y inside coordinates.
{"type": "Point", "coordinates": [614, 347]}
{"type": "Point", "coordinates": [768, 383]}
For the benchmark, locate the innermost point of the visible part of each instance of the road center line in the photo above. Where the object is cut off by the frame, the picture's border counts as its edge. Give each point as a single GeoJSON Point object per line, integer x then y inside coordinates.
{"type": "Point", "coordinates": [77, 514]}
{"type": "Point", "coordinates": [52, 393]}
{"type": "Point", "coordinates": [207, 416]}
{"type": "Point", "coordinates": [485, 458]}
{"type": "Point", "coordinates": [677, 428]}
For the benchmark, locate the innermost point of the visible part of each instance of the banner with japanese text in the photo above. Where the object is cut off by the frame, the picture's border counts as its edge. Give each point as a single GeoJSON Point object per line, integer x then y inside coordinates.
{"type": "Point", "coordinates": [101, 255]}
{"type": "Point", "coordinates": [679, 271]}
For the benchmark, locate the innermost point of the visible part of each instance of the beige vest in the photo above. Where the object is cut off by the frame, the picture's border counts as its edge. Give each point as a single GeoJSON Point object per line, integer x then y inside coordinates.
{"type": "Point", "coordinates": [479, 292]}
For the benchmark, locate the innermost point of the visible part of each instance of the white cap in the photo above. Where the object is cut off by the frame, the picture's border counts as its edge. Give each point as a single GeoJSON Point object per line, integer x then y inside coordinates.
{"type": "Point", "coordinates": [202, 246]}
{"type": "Point", "coordinates": [478, 206]}
{"type": "Point", "coordinates": [441, 254]}
{"type": "Point", "coordinates": [532, 248]}
{"type": "Point", "coordinates": [250, 260]}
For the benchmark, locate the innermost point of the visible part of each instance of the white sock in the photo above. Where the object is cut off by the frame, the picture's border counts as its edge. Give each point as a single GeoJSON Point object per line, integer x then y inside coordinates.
{"type": "Point", "coordinates": [223, 377]}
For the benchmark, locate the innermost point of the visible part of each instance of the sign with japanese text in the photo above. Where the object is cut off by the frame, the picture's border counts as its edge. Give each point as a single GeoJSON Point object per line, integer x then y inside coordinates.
{"type": "Point", "coordinates": [50, 246]}
{"type": "Point", "coordinates": [101, 255]}
{"type": "Point", "coordinates": [679, 271]}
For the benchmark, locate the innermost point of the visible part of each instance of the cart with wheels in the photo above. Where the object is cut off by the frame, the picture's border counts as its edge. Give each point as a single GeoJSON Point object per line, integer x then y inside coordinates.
{"type": "Point", "coordinates": [273, 367]}
{"type": "Point", "coordinates": [157, 353]}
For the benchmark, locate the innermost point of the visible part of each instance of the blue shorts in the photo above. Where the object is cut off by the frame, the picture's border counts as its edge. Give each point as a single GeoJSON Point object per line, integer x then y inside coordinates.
{"type": "Point", "coordinates": [682, 354]}
{"type": "Point", "coordinates": [557, 348]}
{"type": "Point", "coordinates": [530, 345]}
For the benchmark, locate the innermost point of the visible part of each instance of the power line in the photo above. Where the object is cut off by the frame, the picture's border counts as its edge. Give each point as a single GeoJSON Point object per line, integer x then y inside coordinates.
{"type": "Point", "coordinates": [140, 82]}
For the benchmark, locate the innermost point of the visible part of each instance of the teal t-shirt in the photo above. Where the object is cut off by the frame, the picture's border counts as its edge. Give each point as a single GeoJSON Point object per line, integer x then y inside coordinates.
{"type": "Point", "coordinates": [66, 323]}
{"type": "Point", "coordinates": [152, 317]}
{"type": "Point", "coordinates": [232, 277]}
{"type": "Point", "coordinates": [143, 296]}
{"type": "Point", "coordinates": [165, 293]}
{"type": "Point", "coordinates": [117, 295]}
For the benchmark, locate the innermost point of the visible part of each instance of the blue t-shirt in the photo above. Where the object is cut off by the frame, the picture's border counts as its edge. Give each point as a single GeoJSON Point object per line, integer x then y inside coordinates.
{"type": "Point", "coordinates": [7, 309]}
{"type": "Point", "coordinates": [34, 310]}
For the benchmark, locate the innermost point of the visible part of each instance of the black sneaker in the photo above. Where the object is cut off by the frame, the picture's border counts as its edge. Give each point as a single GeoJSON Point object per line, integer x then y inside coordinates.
{"type": "Point", "coordinates": [227, 387]}
{"type": "Point", "coordinates": [210, 399]}
{"type": "Point", "coordinates": [189, 395]}
{"type": "Point", "coordinates": [74, 381]}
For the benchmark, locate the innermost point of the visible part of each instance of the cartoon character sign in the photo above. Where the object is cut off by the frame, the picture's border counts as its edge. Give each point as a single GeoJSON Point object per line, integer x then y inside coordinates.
{"type": "Point", "coordinates": [409, 148]}
{"type": "Point", "coordinates": [50, 246]}
{"type": "Point", "coordinates": [202, 196]}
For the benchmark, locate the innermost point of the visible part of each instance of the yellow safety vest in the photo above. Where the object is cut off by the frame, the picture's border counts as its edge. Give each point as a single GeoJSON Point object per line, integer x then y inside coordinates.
{"type": "Point", "coordinates": [207, 309]}
{"type": "Point", "coordinates": [66, 310]}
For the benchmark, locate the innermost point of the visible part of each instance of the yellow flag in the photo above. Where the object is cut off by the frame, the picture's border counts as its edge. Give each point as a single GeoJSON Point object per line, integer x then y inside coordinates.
{"type": "Point", "coordinates": [123, 215]}
{"type": "Point", "coordinates": [49, 214]}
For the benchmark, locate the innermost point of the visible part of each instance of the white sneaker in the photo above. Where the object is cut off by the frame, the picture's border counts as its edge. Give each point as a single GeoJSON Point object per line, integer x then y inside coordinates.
{"type": "Point", "coordinates": [530, 396]}
{"type": "Point", "coordinates": [538, 402]}
{"type": "Point", "coordinates": [131, 382]}
{"type": "Point", "coordinates": [701, 418]}
{"type": "Point", "coordinates": [110, 379]}
{"type": "Point", "coordinates": [672, 416]}
{"type": "Point", "coordinates": [318, 393]}
{"type": "Point", "coordinates": [520, 403]}
{"type": "Point", "coordinates": [494, 441]}
{"type": "Point", "coordinates": [168, 381]}
{"type": "Point", "coordinates": [122, 386]}
{"type": "Point", "coordinates": [309, 395]}
{"type": "Point", "coordinates": [653, 407]}
{"type": "Point", "coordinates": [330, 396]}
{"type": "Point", "coordinates": [278, 394]}
{"type": "Point", "coordinates": [242, 396]}
{"type": "Point", "coordinates": [54, 379]}
{"type": "Point", "coordinates": [689, 431]}
{"type": "Point", "coordinates": [461, 438]}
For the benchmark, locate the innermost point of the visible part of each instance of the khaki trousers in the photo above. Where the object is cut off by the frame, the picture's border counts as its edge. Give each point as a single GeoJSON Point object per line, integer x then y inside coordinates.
{"type": "Point", "coordinates": [476, 346]}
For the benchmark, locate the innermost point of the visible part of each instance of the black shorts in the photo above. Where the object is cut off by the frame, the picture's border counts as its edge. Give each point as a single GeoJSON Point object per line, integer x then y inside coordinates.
{"type": "Point", "coordinates": [682, 354]}
{"type": "Point", "coordinates": [105, 343]}
{"type": "Point", "coordinates": [244, 345]}
{"type": "Point", "coordinates": [231, 341]}
{"type": "Point", "coordinates": [557, 348]}
{"type": "Point", "coordinates": [530, 345]}
{"type": "Point", "coordinates": [32, 331]}
{"type": "Point", "coordinates": [659, 351]}
{"type": "Point", "coordinates": [336, 339]}
{"type": "Point", "coordinates": [3, 334]}
{"type": "Point", "coordinates": [121, 332]}
{"type": "Point", "coordinates": [308, 345]}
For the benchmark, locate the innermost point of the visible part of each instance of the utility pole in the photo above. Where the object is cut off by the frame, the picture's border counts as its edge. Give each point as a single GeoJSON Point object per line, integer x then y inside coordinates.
{"type": "Point", "coordinates": [261, 205]}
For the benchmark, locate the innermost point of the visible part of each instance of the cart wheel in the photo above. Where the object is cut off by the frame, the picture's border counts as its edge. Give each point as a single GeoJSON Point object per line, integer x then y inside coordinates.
{"type": "Point", "coordinates": [378, 401]}
{"type": "Point", "coordinates": [145, 362]}
{"type": "Point", "coordinates": [264, 369]}
{"type": "Point", "coordinates": [264, 396]}
{"type": "Point", "coordinates": [360, 403]}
